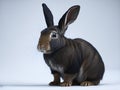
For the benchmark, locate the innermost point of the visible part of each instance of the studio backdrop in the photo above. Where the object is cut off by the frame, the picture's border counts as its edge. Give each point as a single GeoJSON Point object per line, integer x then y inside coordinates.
{"type": "Point", "coordinates": [21, 22]}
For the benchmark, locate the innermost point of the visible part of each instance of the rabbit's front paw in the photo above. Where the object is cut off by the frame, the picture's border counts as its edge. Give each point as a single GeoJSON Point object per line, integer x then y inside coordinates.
{"type": "Point", "coordinates": [66, 84]}
{"type": "Point", "coordinates": [54, 83]}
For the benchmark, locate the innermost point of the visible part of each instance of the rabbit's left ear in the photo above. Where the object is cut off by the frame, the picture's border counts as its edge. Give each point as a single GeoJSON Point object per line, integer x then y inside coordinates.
{"type": "Point", "coordinates": [48, 15]}
{"type": "Point", "coordinates": [68, 18]}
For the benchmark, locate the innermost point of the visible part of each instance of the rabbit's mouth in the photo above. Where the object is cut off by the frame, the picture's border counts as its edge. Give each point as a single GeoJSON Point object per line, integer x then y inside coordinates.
{"type": "Point", "coordinates": [45, 49]}
{"type": "Point", "coordinates": [46, 52]}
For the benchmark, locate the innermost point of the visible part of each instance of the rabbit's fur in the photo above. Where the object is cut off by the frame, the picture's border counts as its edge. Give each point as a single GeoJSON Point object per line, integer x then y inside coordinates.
{"type": "Point", "coordinates": [76, 61]}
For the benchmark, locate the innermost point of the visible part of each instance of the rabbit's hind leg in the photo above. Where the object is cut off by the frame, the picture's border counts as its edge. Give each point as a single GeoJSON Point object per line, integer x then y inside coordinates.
{"type": "Point", "coordinates": [89, 83]}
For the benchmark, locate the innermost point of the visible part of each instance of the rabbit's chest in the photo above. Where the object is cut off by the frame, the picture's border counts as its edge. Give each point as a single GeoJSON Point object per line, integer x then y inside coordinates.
{"type": "Point", "coordinates": [56, 67]}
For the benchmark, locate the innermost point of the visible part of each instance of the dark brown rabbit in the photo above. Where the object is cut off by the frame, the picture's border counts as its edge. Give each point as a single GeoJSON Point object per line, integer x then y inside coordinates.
{"type": "Point", "coordinates": [76, 61]}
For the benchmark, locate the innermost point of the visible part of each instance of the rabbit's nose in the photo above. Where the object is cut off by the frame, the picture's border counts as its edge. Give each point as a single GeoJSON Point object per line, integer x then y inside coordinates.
{"type": "Point", "coordinates": [42, 47]}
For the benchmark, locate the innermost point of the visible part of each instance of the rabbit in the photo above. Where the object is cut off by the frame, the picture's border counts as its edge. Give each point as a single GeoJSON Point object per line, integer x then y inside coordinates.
{"type": "Point", "coordinates": [76, 61]}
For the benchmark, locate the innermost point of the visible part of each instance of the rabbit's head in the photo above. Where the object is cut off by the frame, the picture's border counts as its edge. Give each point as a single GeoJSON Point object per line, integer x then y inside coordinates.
{"type": "Point", "coordinates": [52, 38]}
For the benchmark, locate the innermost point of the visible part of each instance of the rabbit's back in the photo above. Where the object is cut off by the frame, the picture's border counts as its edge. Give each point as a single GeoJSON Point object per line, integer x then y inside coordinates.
{"type": "Point", "coordinates": [92, 65]}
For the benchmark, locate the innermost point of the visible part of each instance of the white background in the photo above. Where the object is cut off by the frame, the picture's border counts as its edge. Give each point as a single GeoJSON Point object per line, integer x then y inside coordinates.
{"type": "Point", "coordinates": [21, 22]}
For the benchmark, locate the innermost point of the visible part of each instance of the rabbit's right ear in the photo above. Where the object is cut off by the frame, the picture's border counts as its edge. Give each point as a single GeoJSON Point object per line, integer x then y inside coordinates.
{"type": "Point", "coordinates": [68, 18]}
{"type": "Point", "coordinates": [48, 15]}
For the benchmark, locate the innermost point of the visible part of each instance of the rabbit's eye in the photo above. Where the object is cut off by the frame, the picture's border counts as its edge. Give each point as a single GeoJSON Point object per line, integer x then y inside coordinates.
{"type": "Point", "coordinates": [54, 35]}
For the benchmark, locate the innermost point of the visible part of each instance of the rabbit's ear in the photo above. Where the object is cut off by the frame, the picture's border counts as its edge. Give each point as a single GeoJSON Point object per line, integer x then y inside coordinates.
{"type": "Point", "coordinates": [48, 15]}
{"type": "Point", "coordinates": [68, 18]}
